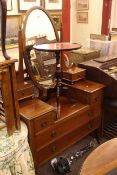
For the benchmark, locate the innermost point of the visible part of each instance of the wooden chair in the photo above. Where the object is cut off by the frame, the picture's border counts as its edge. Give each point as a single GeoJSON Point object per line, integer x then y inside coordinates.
{"type": "Point", "coordinates": [9, 108]}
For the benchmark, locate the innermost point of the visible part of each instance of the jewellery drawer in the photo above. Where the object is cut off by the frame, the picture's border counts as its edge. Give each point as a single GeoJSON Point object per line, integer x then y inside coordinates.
{"type": "Point", "coordinates": [96, 110]}
{"type": "Point", "coordinates": [62, 143]}
{"type": "Point", "coordinates": [85, 97]}
{"type": "Point", "coordinates": [61, 128]}
{"type": "Point", "coordinates": [73, 74]}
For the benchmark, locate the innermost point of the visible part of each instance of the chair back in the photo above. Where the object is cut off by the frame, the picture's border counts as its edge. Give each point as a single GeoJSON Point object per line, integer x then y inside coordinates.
{"type": "Point", "coordinates": [9, 107]}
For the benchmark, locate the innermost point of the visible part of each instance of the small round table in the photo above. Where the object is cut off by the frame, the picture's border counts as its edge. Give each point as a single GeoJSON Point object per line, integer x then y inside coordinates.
{"type": "Point", "coordinates": [102, 160]}
{"type": "Point", "coordinates": [57, 48]}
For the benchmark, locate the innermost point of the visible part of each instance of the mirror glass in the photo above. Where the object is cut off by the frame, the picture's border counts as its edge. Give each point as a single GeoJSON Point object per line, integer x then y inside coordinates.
{"type": "Point", "coordinates": [39, 25]}
{"type": "Point", "coordinates": [38, 28]}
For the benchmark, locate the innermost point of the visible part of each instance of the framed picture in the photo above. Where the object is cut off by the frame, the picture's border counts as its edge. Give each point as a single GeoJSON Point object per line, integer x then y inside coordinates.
{"type": "Point", "coordinates": [57, 20]}
{"type": "Point", "coordinates": [9, 5]}
{"type": "Point", "coordinates": [82, 17]}
{"type": "Point", "coordinates": [24, 5]}
{"type": "Point", "coordinates": [13, 26]}
{"type": "Point", "coordinates": [82, 5]}
{"type": "Point", "coordinates": [53, 5]}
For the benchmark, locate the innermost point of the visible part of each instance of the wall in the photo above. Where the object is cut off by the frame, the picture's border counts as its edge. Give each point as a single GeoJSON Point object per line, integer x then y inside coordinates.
{"type": "Point", "coordinates": [80, 32]}
{"type": "Point", "coordinates": [14, 8]}
{"type": "Point", "coordinates": [114, 14]}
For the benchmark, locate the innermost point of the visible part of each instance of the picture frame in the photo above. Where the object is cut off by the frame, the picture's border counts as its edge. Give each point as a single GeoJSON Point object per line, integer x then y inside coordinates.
{"type": "Point", "coordinates": [9, 5]}
{"type": "Point", "coordinates": [82, 17]}
{"type": "Point", "coordinates": [82, 5]}
{"type": "Point", "coordinates": [57, 18]}
{"type": "Point", "coordinates": [53, 5]}
{"type": "Point", "coordinates": [24, 5]}
{"type": "Point", "coordinates": [13, 26]}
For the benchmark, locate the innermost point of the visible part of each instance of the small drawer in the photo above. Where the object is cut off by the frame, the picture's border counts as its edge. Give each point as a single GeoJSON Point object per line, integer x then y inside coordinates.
{"type": "Point", "coordinates": [95, 110]}
{"type": "Point", "coordinates": [96, 97]}
{"type": "Point", "coordinates": [24, 93]}
{"type": "Point", "coordinates": [44, 121]}
{"type": "Point", "coordinates": [73, 74]}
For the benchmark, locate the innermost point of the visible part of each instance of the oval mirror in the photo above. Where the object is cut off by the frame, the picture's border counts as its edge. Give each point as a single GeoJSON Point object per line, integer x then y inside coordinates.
{"type": "Point", "coordinates": [38, 28]}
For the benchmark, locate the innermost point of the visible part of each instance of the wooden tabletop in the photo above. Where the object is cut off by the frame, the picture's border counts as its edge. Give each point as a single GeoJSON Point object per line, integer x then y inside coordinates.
{"type": "Point", "coordinates": [52, 47]}
{"type": "Point", "coordinates": [102, 160]}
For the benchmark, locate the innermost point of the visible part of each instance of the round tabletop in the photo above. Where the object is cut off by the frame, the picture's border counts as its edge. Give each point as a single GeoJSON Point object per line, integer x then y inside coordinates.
{"type": "Point", "coordinates": [52, 47]}
{"type": "Point", "coordinates": [102, 160]}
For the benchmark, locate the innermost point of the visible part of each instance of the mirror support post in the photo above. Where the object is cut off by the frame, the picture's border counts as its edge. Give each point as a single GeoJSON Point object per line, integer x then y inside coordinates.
{"type": "Point", "coordinates": [3, 28]}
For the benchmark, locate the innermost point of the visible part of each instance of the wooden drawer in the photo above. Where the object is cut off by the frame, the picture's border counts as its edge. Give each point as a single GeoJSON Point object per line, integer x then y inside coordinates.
{"type": "Point", "coordinates": [95, 97]}
{"type": "Point", "coordinates": [25, 92]}
{"type": "Point", "coordinates": [73, 74]}
{"type": "Point", "coordinates": [44, 121]}
{"type": "Point", "coordinates": [62, 128]}
{"type": "Point", "coordinates": [96, 110]}
{"type": "Point", "coordinates": [62, 143]}
{"type": "Point", "coordinates": [86, 97]}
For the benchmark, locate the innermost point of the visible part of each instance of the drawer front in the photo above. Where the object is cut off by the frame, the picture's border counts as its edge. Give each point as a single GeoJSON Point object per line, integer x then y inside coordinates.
{"type": "Point", "coordinates": [96, 97]}
{"type": "Point", "coordinates": [86, 97]}
{"type": "Point", "coordinates": [62, 128]}
{"type": "Point", "coordinates": [61, 144]}
{"type": "Point", "coordinates": [96, 110]}
{"type": "Point", "coordinates": [24, 93]}
{"type": "Point", "coordinates": [73, 77]}
{"type": "Point", "coordinates": [45, 121]}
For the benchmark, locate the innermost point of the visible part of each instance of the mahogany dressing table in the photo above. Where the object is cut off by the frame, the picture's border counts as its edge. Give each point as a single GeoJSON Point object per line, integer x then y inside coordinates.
{"type": "Point", "coordinates": [79, 106]}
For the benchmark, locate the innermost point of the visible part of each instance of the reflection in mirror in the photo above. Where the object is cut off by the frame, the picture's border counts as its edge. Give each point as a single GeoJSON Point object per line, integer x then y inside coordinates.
{"type": "Point", "coordinates": [42, 26]}
{"type": "Point", "coordinates": [38, 28]}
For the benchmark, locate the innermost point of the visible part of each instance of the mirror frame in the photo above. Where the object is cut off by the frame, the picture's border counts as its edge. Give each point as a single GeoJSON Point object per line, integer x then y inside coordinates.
{"type": "Point", "coordinates": [3, 28]}
{"type": "Point", "coordinates": [26, 50]}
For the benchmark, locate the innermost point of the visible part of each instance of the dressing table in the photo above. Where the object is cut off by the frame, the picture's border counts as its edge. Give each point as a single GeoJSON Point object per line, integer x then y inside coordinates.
{"type": "Point", "coordinates": [71, 110]}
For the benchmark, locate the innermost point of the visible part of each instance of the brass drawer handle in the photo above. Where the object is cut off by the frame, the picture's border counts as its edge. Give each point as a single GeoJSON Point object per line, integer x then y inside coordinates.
{"type": "Point", "coordinates": [89, 126]}
{"type": "Point", "coordinates": [43, 124]}
{"type": "Point", "coordinates": [97, 99]}
{"type": "Point", "coordinates": [89, 114]}
{"type": "Point", "coordinates": [53, 134]}
{"type": "Point", "coordinates": [54, 149]}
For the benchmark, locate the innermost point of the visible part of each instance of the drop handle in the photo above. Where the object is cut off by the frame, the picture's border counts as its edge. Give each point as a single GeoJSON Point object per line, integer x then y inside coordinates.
{"type": "Point", "coordinates": [43, 124]}
{"type": "Point", "coordinates": [89, 126]}
{"type": "Point", "coordinates": [53, 134]}
{"type": "Point", "coordinates": [97, 99]}
{"type": "Point", "coordinates": [89, 114]}
{"type": "Point", "coordinates": [54, 149]}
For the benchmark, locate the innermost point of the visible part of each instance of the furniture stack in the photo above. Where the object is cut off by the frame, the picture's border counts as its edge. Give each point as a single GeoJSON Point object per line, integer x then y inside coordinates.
{"type": "Point", "coordinates": [80, 108]}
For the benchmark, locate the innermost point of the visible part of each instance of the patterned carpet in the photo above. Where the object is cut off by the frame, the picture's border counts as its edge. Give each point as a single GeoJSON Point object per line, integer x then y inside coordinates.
{"type": "Point", "coordinates": [110, 130]}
